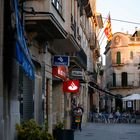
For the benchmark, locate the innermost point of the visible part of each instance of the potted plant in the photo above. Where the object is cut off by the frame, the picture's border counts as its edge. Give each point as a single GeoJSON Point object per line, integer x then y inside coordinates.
{"type": "Point", "coordinates": [60, 133]}
{"type": "Point", "coordinates": [30, 130]}
{"type": "Point", "coordinates": [59, 125]}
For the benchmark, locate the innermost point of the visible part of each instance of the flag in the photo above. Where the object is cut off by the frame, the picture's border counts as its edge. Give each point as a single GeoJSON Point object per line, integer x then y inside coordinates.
{"type": "Point", "coordinates": [108, 29]}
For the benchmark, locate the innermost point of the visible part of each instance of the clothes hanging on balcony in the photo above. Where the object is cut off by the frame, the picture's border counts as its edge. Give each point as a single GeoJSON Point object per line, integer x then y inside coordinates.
{"type": "Point", "coordinates": [22, 52]}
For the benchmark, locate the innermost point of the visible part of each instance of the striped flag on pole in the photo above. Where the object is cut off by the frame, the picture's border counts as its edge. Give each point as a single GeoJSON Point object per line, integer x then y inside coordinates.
{"type": "Point", "coordinates": [108, 29]}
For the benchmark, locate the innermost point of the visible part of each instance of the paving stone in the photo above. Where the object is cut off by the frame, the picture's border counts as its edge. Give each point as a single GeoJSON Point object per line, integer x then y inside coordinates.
{"type": "Point", "coordinates": [102, 131]}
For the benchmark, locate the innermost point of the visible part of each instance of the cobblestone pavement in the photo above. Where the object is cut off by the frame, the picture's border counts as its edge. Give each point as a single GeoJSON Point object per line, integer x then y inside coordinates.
{"type": "Point", "coordinates": [102, 131]}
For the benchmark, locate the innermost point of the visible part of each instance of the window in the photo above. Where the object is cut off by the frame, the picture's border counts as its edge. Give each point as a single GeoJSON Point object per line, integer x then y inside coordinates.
{"type": "Point", "coordinates": [58, 5]}
{"type": "Point", "coordinates": [117, 40]}
{"type": "Point", "coordinates": [131, 55]}
{"type": "Point", "coordinates": [74, 17]}
{"type": "Point", "coordinates": [114, 79]}
{"type": "Point", "coordinates": [124, 79]}
{"type": "Point", "coordinates": [118, 58]}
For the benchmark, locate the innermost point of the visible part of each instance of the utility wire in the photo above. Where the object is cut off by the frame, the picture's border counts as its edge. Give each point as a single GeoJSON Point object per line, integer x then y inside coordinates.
{"type": "Point", "coordinates": [102, 36]}
{"type": "Point", "coordinates": [119, 20]}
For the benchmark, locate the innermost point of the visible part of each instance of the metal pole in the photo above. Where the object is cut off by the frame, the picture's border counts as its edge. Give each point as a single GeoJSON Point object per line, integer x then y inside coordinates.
{"type": "Point", "coordinates": [1, 69]}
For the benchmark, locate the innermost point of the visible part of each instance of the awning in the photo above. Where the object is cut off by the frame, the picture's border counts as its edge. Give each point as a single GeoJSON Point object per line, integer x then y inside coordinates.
{"type": "Point", "coordinates": [95, 86]}
{"type": "Point", "coordinates": [22, 52]}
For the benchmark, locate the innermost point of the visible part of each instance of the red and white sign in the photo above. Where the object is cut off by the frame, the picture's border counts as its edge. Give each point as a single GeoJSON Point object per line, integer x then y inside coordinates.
{"type": "Point", "coordinates": [60, 72]}
{"type": "Point", "coordinates": [71, 86]}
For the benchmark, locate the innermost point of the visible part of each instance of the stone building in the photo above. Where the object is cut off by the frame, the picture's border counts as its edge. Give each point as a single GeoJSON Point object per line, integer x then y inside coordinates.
{"type": "Point", "coordinates": [33, 34]}
{"type": "Point", "coordinates": [122, 72]}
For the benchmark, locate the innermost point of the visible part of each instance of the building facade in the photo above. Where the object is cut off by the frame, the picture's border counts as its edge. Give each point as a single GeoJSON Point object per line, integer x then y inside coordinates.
{"type": "Point", "coordinates": [32, 36]}
{"type": "Point", "coordinates": [122, 73]}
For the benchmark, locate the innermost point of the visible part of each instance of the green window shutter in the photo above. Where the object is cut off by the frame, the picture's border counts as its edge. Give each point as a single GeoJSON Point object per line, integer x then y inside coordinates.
{"type": "Point", "coordinates": [118, 58]}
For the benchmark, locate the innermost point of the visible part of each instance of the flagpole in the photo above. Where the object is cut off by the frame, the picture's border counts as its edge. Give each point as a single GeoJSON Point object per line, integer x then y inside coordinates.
{"type": "Point", "coordinates": [103, 26]}
{"type": "Point", "coordinates": [102, 40]}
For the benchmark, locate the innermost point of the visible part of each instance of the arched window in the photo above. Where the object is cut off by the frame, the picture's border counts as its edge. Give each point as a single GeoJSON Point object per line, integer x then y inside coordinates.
{"type": "Point", "coordinates": [124, 79]}
{"type": "Point", "coordinates": [114, 79]}
{"type": "Point", "coordinates": [131, 55]}
{"type": "Point", "coordinates": [118, 58]}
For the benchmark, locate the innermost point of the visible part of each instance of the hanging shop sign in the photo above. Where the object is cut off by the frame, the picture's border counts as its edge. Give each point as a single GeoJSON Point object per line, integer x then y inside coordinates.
{"type": "Point", "coordinates": [60, 72]}
{"type": "Point", "coordinates": [71, 86]}
{"type": "Point", "coordinates": [77, 74]}
{"type": "Point", "coordinates": [59, 60]}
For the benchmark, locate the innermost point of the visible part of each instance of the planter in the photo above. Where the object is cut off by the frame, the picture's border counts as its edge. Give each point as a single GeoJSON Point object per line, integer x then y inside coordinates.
{"type": "Point", "coordinates": [65, 134]}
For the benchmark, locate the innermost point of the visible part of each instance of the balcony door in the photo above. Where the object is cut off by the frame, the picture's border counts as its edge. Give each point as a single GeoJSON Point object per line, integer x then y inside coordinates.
{"type": "Point", "coordinates": [114, 79]}
{"type": "Point", "coordinates": [124, 79]}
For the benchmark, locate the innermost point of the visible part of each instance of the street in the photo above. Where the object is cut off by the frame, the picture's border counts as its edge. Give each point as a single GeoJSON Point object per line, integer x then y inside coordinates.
{"type": "Point", "coordinates": [103, 131]}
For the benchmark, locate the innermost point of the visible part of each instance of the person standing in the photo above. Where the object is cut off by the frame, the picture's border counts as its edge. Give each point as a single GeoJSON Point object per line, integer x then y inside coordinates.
{"type": "Point", "coordinates": [78, 112]}
{"type": "Point", "coordinates": [117, 116]}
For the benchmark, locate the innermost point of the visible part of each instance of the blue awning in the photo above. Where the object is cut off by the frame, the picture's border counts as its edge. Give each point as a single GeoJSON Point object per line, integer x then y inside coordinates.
{"type": "Point", "coordinates": [24, 62]}
{"type": "Point", "coordinates": [22, 52]}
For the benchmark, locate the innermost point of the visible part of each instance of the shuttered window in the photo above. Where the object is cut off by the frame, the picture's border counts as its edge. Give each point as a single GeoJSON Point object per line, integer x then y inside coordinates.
{"type": "Point", "coordinates": [25, 97]}
{"type": "Point", "coordinates": [28, 109]}
{"type": "Point", "coordinates": [124, 79]}
{"type": "Point", "coordinates": [114, 79]}
{"type": "Point", "coordinates": [118, 58]}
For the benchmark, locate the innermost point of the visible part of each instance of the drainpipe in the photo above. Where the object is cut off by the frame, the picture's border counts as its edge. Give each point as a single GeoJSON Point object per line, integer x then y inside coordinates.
{"type": "Point", "coordinates": [1, 70]}
{"type": "Point", "coordinates": [67, 105]}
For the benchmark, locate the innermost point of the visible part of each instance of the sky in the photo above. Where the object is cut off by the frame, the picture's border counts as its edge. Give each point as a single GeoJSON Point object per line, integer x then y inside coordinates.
{"type": "Point", "coordinates": [125, 10]}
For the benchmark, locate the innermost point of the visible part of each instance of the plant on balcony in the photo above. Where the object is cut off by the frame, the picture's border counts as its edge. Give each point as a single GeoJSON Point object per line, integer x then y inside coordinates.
{"type": "Point", "coordinates": [30, 130]}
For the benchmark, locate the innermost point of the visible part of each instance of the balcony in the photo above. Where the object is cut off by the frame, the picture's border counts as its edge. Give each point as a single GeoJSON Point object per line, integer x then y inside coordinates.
{"type": "Point", "coordinates": [134, 40]}
{"type": "Point", "coordinates": [45, 25]}
{"type": "Point", "coordinates": [99, 20]}
{"type": "Point", "coordinates": [45, 18]}
{"type": "Point", "coordinates": [77, 74]}
{"type": "Point", "coordinates": [121, 87]}
{"type": "Point", "coordinates": [79, 59]}
{"type": "Point", "coordinates": [48, 26]}
{"type": "Point", "coordinates": [96, 54]}
{"type": "Point", "coordinates": [68, 46]}
{"type": "Point", "coordinates": [87, 7]}
{"type": "Point", "coordinates": [117, 65]}
{"type": "Point", "coordinates": [92, 40]}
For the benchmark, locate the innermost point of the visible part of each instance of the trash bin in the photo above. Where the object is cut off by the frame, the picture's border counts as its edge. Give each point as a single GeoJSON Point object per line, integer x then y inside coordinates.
{"type": "Point", "coordinates": [68, 134]}
{"type": "Point", "coordinates": [65, 134]}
